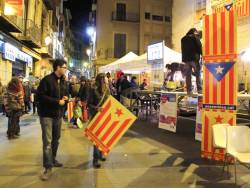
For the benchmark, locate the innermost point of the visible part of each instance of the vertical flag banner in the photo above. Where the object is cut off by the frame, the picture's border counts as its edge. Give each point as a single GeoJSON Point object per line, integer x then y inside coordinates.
{"type": "Point", "coordinates": [240, 7]}
{"type": "Point", "coordinates": [168, 112]}
{"type": "Point", "coordinates": [109, 125]}
{"type": "Point", "coordinates": [220, 75]}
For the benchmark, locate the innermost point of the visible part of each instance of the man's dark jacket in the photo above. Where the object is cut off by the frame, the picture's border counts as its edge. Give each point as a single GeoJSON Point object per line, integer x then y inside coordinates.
{"type": "Point", "coordinates": [191, 48]}
{"type": "Point", "coordinates": [49, 92]}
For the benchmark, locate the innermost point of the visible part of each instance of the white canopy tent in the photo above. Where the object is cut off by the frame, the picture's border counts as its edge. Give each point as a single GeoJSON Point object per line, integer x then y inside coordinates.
{"type": "Point", "coordinates": [140, 64]}
{"type": "Point", "coordinates": [171, 56]}
{"type": "Point", "coordinates": [116, 64]}
{"type": "Point", "coordinates": [131, 63]}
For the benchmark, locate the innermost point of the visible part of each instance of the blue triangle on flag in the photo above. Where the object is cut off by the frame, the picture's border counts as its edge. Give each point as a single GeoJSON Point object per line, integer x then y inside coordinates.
{"type": "Point", "coordinates": [219, 70]}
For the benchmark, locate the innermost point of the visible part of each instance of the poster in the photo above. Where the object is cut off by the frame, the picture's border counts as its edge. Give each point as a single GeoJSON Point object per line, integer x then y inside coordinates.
{"type": "Point", "coordinates": [168, 112]}
{"type": "Point", "coordinates": [198, 124]}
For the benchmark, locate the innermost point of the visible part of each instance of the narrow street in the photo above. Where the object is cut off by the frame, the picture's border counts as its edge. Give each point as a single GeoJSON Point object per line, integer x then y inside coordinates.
{"type": "Point", "coordinates": [145, 157]}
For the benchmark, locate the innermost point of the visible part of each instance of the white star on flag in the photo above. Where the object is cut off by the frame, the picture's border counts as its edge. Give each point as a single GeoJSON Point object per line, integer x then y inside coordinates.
{"type": "Point", "coordinates": [219, 69]}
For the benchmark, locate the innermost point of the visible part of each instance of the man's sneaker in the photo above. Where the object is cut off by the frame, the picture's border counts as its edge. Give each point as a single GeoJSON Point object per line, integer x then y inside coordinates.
{"type": "Point", "coordinates": [57, 164]}
{"type": "Point", "coordinates": [96, 164]}
{"type": "Point", "coordinates": [103, 159]}
{"type": "Point", "coordinates": [46, 174]}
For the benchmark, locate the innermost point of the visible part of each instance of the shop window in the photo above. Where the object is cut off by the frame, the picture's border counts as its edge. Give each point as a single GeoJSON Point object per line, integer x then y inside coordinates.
{"type": "Point", "coordinates": [147, 15]}
{"type": "Point", "coordinates": [119, 45]}
{"type": "Point", "coordinates": [157, 18]}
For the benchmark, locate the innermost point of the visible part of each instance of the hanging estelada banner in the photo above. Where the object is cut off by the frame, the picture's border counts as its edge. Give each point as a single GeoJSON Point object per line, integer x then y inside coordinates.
{"type": "Point", "coordinates": [240, 7]}
{"type": "Point", "coordinates": [108, 125]}
{"type": "Point", "coordinates": [220, 76]}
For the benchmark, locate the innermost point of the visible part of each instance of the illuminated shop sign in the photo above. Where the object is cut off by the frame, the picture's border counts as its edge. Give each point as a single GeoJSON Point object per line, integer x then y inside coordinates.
{"type": "Point", "coordinates": [12, 53]}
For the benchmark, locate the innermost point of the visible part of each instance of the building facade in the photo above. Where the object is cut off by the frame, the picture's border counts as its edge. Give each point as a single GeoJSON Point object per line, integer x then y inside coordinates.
{"type": "Point", "coordinates": [24, 26]}
{"type": "Point", "coordinates": [129, 25]}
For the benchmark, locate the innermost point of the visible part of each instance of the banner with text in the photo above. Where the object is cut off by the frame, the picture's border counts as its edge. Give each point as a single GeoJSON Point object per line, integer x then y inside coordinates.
{"type": "Point", "coordinates": [168, 112]}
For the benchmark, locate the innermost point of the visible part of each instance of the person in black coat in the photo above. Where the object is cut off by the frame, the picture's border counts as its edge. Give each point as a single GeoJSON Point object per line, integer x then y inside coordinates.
{"type": "Point", "coordinates": [52, 96]}
{"type": "Point", "coordinates": [191, 49]}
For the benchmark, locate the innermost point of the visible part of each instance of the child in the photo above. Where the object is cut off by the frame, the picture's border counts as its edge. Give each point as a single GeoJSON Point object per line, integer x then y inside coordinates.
{"type": "Point", "coordinates": [77, 113]}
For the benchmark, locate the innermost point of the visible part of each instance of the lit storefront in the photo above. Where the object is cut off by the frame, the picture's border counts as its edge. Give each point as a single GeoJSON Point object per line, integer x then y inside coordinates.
{"type": "Point", "coordinates": [13, 62]}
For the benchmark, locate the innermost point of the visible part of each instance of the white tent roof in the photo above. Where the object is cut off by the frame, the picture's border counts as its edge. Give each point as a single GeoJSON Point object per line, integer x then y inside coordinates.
{"type": "Point", "coordinates": [171, 56]}
{"type": "Point", "coordinates": [139, 64]}
{"type": "Point", "coordinates": [132, 62]}
{"type": "Point", "coordinates": [116, 64]}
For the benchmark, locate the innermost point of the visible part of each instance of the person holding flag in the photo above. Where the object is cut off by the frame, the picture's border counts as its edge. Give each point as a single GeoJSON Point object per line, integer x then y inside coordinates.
{"type": "Point", "coordinates": [98, 95]}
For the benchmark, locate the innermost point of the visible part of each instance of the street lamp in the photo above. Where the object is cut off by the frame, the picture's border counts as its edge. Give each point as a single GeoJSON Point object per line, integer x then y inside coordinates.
{"type": "Point", "coordinates": [88, 52]}
{"type": "Point", "coordinates": [90, 30]}
{"type": "Point", "coordinates": [48, 40]}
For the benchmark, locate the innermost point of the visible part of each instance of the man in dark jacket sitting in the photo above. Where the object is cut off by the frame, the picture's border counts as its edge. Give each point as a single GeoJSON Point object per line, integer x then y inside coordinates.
{"type": "Point", "coordinates": [52, 96]}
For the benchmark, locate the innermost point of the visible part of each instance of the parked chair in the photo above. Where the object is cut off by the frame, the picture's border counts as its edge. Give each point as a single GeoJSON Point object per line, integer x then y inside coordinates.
{"type": "Point", "coordinates": [238, 145]}
{"type": "Point", "coordinates": [220, 136]}
{"type": "Point", "coordinates": [219, 132]}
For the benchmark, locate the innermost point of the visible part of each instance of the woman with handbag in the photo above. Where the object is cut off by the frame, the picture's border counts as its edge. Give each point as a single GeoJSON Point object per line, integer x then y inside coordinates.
{"type": "Point", "coordinates": [14, 106]}
{"type": "Point", "coordinates": [97, 96]}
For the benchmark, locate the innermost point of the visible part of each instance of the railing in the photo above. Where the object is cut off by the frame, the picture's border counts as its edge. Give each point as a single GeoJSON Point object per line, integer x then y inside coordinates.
{"type": "Point", "coordinates": [33, 32]}
{"type": "Point", "coordinates": [128, 17]}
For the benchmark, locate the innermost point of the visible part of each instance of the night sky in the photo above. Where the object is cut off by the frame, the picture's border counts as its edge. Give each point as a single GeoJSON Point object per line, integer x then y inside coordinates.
{"type": "Point", "coordinates": [80, 15]}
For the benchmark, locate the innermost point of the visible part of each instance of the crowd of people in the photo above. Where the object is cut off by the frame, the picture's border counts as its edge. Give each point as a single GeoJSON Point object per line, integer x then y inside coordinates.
{"type": "Point", "coordinates": [49, 97]}
{"type": "Point", "coordinates": [51, 94]}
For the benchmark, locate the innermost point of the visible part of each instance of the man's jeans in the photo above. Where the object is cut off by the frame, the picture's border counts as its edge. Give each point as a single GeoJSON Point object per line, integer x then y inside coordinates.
{"type": "Point", "coordinates": [188, 67]}
{"type": "Point", "coordinates": [51, 133]}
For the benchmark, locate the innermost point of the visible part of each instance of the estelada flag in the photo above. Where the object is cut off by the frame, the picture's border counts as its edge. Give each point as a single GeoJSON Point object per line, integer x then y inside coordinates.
{"type": "Point", "coordinates": [241, 7]}
{"type": "Point", "coordinates": [109, 125]}
{"type": "Point", "coordinates": [210, 118]}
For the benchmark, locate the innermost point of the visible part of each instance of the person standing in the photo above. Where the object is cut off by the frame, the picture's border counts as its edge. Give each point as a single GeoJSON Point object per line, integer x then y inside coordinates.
{"type": "Point", "coordinates": [14, 106]}
{"type": "Point", "coordinates": [133, 83]}
{"type": "Point", "coordinates": [1, 97]}
{"type": "Point", "coordinates": [52, 96]}
{"type": "Point", "coordinates": [98, 95]}
{"type": "Point", "coordinates": [191, 49]}
{"type": "Point", "coordinates": [74, 87]}
{"type": "Point", "coordinates": [27, 95]}
{"type": "Point", "coordinates": [143, 85]}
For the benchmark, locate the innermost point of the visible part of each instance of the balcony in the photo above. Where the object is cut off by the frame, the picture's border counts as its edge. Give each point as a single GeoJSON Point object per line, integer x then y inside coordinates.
{"type": "Point", "coordinates": [10, 23]}
{"type": "Point", "coordinates": [49, 4]}
{"type": "Point", "coordinates": [32, 36]}
{"type": "Point", "coordinates": [128, 17]}
{"type": "Point", "coordinates": [47, 51]}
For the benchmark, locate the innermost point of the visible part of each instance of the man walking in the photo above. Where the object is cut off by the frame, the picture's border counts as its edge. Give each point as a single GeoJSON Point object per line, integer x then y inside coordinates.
{"type": "Point", "coordinates": [191, 49]}
{"type": "Point", "coordinates": [52, 96]}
